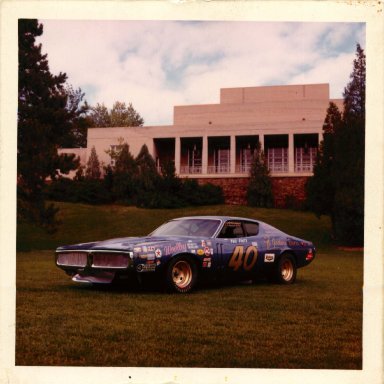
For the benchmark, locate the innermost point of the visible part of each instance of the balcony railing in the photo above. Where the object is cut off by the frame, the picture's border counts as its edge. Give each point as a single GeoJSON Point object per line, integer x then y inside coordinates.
{"type": "Point", "coordinates": [222, 168]}
{"type": "Point", "coordinates": [191, 170]}
{"type": "Point", "coordinates": [277, 160]}
{"type": "Point", "coordinates": [243, 168]}
{"type": "Point", "coordinates": [305, 159]}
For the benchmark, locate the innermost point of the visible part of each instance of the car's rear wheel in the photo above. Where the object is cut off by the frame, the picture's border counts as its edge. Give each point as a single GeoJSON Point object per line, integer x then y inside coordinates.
{"type": "Point", "coordinates": [181, 274]}
{"type": "Point", "coordinates": [286, 269]}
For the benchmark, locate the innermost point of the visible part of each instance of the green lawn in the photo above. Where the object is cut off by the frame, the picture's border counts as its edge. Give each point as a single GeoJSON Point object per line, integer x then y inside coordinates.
{"type": "Point", "coordinates": [315, 323]}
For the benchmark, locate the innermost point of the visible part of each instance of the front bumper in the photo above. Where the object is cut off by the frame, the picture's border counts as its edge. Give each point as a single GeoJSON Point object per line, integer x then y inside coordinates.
{"type": "Point", "coordinates": [94, 266]}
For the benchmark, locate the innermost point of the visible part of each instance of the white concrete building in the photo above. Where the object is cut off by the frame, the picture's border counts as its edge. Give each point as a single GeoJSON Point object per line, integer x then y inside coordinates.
{"type": "Point", "coordinates": [215, 142]}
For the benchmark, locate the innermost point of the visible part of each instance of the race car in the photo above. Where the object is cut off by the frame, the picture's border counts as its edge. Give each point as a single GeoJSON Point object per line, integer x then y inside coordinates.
{"type": "Point", "coordinates": [183, 251]}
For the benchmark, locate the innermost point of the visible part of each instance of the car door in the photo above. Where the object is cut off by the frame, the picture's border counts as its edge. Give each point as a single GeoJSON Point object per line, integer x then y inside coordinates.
{"type": "Point", "coordinates": [238, 255]}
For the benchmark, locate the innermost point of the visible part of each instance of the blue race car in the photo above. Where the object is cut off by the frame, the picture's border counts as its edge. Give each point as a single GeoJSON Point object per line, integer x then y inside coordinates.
{"type": "Point", "coordinates": [183, 251]}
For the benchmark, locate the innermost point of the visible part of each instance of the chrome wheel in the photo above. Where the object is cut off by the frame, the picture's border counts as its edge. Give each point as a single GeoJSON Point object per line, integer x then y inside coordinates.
{"type": "Point", "coordinates": [182, 274]}
{"type": "Point", "coordinates": [287, 270]}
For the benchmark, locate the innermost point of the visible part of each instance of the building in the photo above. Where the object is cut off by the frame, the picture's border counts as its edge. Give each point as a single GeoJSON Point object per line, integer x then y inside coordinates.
{"type": "Point", "coordinates": [215, 142]}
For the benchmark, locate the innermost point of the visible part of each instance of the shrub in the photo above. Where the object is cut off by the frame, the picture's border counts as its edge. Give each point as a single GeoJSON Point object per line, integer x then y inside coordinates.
{"type": "Point", "coordinates": [206, 194]}
{"type": "Point", "coordinates": [78, 191]}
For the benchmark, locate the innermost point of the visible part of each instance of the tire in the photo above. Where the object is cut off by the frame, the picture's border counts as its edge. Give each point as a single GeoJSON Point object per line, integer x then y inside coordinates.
{"type": "Point", "coordinates": [181, 275]}
{"type": "Point", "coordinates": [286, 269]}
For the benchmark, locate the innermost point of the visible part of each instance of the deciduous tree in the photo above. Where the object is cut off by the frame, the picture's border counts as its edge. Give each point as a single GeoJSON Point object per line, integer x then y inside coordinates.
{"type": "Point", "coordinates": [120, 115]}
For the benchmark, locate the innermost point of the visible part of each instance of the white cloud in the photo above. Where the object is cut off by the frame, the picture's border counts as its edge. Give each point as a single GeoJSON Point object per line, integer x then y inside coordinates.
{"type": "Point", "coordinates": [156, 65]}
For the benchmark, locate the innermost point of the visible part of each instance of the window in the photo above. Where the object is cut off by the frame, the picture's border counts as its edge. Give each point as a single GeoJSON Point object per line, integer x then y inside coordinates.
{"type": "Point", "coordinates": [251, 229]}
{"type": "Point", "coordinates": [188, 227]}
{"type": "Point", "coordinates": [231, 230]}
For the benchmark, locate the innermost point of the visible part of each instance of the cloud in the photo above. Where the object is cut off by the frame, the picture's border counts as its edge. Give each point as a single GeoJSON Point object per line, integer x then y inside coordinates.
{"type": "Point", "coordinates": [159, 64]}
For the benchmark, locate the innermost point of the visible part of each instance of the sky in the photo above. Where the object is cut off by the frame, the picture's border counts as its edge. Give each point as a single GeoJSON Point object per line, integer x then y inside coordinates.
{"type": "Point", "coordinates": [156, 65]}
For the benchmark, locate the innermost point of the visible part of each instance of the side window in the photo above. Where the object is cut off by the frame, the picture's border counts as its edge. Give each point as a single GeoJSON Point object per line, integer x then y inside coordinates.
{"type": "Point", "coordinates": [231, 230]}
{"type": "Point", "coordinates": [251, 229]}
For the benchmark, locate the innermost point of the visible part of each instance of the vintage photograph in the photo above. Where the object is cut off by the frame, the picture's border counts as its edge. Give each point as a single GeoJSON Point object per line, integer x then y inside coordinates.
{"type": "Point", "coordinates": [191, 193]}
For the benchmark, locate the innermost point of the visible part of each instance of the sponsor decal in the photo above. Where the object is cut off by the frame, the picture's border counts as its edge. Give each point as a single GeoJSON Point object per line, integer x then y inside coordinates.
{"type": "Point", "coordinates": [158, 253]}
{"type": "Point", "coordinates": [158, 262]}
{"type": "Point", "coordinates": [206, 264]}
{"type": "Point", "coordinates": [207, 259]}
{"type": "Point", "coordinates": [269, 258]}
{"type": "Point", "coordinates": [206, 243]}
{"type": "Point", "coordinates": [240, 260]}
{"type": "Point", "coordinates": [234, 241]}
{"type": "Point", "coordinates": [151, 248]}
{"type": "Point", "coordinates": [295, 243]}
{"type": "Point", "coordinates": [193, 250]}
{"type": "Point", "coordinates": [145, 249]}
{"type": "Point", "coordinates": [147, 256]}
{"type": "Point", "coordinates": [178, 247]}
{"type": "Point", "coordinates": [232, 224]}
{"type": "Point", "coordinates": [242, 240]}
{"type": "Point", "coordinates": [146, 267]}
{"type": "Point", "coordinates": [254, 243]}
{"type": "Point", "coordinates": [267, 242]}
{"type": "Point", "coordinates": [200, 252]}
{"type": "Point", "coordinates": [137, 249]}
{"type": "Point", "coordinates": [192, 245]}
{"type": "Point", "coordinates": [277, 243]}
{"type": "Point", "coordinates": [150, 261]}
{"type": "Point", "coordinates": [207, 251]}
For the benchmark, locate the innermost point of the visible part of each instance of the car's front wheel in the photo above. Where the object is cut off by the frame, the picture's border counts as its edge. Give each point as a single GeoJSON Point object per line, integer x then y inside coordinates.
{"type": "Point", "coordinates": [286, 269]}
{"type": "Point", "coordinates": [181, 274]}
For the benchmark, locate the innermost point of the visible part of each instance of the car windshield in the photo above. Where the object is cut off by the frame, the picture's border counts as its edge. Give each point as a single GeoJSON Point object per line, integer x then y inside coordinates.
{"type": "Point", "coordinates": [188, 227]}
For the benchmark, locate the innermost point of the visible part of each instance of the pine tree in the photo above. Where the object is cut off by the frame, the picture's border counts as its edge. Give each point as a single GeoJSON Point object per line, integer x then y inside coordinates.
{"type": "Point", "coordinates": [93, 166]}
{"type": "Point", "coordinates": [43, 123]}
{"type": "Point", "coordinates": [125, 176]}
{"type": "Point", "coordinates": [259, 193]}
{"type": "Point", "coordinates": [354, 93]}
{"type": "Point", "coordinates": [337, 187]}
{"type": "Point", "coordinates": [147, 171]}
{"type": "Point", "coordinates": [148, 179]}
{"type": "Point", "coordinates": [349, 159]}
{"type": "Point", "coordinates": [321, 188]}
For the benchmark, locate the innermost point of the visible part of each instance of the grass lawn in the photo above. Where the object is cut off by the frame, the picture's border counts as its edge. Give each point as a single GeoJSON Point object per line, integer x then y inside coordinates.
{"type": "Point", "coordinates": [315, 323]}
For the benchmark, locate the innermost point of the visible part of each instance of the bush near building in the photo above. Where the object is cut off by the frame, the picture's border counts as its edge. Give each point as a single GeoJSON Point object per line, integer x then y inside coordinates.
{"type": "Point", "coordinates": [259, 193]}
{"type": "Point", "coordinates": [133, 182]}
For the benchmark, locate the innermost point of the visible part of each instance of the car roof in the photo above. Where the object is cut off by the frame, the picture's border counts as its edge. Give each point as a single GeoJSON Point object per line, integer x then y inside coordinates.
{"type": "Point", "coordinates": [222, 218]}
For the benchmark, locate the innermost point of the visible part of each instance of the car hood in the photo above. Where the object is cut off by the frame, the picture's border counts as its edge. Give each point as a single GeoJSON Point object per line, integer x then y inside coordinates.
{"type": "Point", "coordinates": [126, 243]}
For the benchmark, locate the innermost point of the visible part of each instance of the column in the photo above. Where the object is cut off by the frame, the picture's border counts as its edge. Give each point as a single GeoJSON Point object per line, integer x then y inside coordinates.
{"type": "Point", "coordinates": [291, 154]}
{"type": "Point", "coordinates": [232, 157]}
{"type": "Point", "coordinates": [261, 141]}
{"type": "Point", "coordinates": [204, 157]}
{"type": "Point", "coordinates": [177, 155]}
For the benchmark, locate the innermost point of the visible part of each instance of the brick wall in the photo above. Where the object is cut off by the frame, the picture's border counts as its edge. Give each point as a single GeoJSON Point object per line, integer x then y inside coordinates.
{"type": "Point", "coordinates": [235, 189]}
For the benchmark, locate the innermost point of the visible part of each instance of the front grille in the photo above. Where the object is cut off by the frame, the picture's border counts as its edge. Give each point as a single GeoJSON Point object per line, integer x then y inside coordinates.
{"type": "Point", "coordinates": [72, 259]}
{"type": "Point", "coordinates": [110, 260]}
